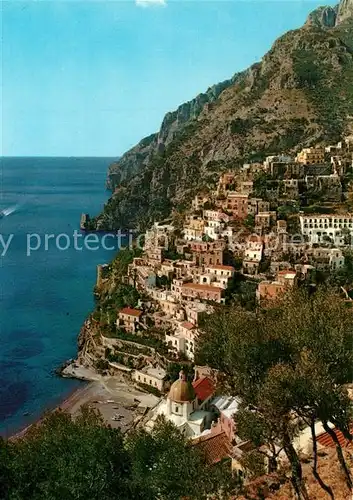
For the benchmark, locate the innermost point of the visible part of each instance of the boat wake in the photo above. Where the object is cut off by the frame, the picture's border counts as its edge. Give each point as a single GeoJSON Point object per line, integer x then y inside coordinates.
{"type": "Point", "coordinates": [8, 211]}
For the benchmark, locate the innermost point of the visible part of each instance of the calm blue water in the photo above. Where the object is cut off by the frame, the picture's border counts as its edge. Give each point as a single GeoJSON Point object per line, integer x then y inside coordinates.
{"type": "Point", "coordinates": [44, 297]}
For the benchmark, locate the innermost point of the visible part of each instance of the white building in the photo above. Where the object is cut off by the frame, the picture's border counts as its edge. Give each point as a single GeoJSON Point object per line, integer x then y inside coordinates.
{"type": "Point", "coordinates": [192, 234]}
{"type": "Point", "coordinates": [338, 227]}
{"type": "Point", "coordinates": [220, 270]}
{"type": "Point", "coordinates": [150, 376]}
{"type": "Point", "coordinates": [217, 275]}
{"type": "Point", "coordinates": [252, 255]}
{"type": "Point", "coordinates": [183, 339]}
{"type": "Point", "coordinates": [187, 406]}
{"type": "Point", "coordinates": [215, 215]}
{"type": "Point", "coordinates": [213, 229]}
{"type": "Point", "coordinates": [323, 258]}
{"type": "Point", "coordinates": [253, 251]}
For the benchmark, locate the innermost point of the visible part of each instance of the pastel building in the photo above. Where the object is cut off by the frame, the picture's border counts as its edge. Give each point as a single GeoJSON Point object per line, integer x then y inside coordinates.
{"type": "Point", "coordinates": [268, 291]}
{"type": "Point", "coordinates": [252, 255]}
{"type": "Point", "coordinates": [196, 310]}
{"type": "Point", "coordinates": [311, 155]}
{"type": "Point", "coordinates": [207, 253]}
{"type": "Point", "coordinates": [325, 258]}
{"type": "Point", "coordinates": [193, 291]}
{"type": "Point", "coordinates": [154, 377]}
{"type": "Point", "coordinates": [237, 204]}
{"type": "Point", "coordinates": [129, 319]}
{"type": "Point", "coordinates": [226, 407]}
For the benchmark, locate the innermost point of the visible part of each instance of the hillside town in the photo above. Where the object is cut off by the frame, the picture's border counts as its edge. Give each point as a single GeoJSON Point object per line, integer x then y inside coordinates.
{"type": "Point", "coordinates": [262, 231]}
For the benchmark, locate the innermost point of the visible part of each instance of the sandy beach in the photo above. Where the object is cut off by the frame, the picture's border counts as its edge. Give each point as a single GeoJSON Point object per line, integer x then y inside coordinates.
{"type": "Point", "coordinates": [121, 405]}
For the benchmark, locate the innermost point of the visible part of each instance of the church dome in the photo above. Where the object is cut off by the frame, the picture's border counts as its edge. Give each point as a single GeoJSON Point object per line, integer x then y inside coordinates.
{"type": "Point", "coordinates": [181, 390]}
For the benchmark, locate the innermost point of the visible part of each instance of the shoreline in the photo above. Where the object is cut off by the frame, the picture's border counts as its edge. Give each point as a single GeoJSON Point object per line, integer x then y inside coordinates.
{"type": "Point", "coordinates": [64, 405]}
{"type": "Point", "coordinates": [120, 403]}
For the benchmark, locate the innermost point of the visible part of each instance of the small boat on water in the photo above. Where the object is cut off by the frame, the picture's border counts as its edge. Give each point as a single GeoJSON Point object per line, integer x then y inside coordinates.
{"type": "Point", "coordinates": [8, 211]}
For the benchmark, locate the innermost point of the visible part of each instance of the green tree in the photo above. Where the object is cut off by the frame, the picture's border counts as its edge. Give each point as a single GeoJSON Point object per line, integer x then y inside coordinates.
{"type": "Point", "coordinates": [64, 458]}
{"type": "Point", "coordinates": [167, 467]}
{"type": "Point", "coordinates": [289, 364]}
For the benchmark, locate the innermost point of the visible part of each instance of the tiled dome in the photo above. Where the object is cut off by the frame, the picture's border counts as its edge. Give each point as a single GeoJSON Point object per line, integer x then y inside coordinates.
{"type": "Point", "coordinates": [181, 390]}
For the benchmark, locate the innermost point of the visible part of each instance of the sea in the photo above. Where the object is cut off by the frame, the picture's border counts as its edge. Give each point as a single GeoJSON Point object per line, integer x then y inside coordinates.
{"type": "Point", "coordinates": [47, 275]}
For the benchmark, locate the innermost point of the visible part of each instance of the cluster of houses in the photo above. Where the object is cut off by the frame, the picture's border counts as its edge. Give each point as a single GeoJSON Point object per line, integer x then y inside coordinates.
{"type": "Point", "coordinates": [227, 230]}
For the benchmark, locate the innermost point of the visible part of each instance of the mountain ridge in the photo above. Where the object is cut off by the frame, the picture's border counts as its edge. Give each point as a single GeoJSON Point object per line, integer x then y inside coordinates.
{"type": "Point", "coordinates": [329, 17]}
{"type": "Point", "coordinates": [300, 93]}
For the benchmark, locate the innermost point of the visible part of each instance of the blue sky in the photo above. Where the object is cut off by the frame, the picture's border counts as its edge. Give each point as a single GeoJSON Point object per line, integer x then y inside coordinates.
{"type": "Point", "coordinates": [91, 78]}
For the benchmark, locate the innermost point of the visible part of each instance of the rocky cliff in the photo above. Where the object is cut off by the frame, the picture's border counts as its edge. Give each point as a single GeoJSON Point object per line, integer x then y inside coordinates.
{"type": "Point", "coordinates": [345, 11]}
{"type": "Point", "coordinates": [324, 17]}
{"type": "Point", "coordinates": [301, 93]}
{"type": "Point", "coordinates": [328, 17]}
{"type": "Point", "coordinates": [172, 124]}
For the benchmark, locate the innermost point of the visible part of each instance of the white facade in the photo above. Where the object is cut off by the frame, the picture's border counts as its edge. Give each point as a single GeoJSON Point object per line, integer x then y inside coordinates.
{"type": "Point", "coordinates": [186, 413]}
{"type": "Point", "coordinates": [327, 257]}
{"type": "Point", "coordinates": [213, 215]}
{"type": "Point", "coordinates": [217, 276]}
{"type": "Point", "coordinates": [219, 270]}
{"type": "Point", "coordinates": [150, 376]}
{"type": "Point", "coordinates": [191, 234]}
{"type": "Point", "coordinates": [253, 252]}
{"type": "Point", "coordinates": [212, 233]}
{"type": "Point", "coordinates": [183, 339]}
{"type": "Point", "coordinates": [317, 227]}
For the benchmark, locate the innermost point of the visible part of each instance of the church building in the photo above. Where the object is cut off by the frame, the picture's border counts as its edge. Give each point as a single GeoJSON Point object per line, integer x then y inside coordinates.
{"type": "Point", "coordinates": [187, 406]}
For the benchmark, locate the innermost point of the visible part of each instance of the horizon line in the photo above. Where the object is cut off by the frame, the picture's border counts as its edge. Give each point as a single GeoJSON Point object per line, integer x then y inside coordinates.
{"type": "Point", "coordinates": [59, 156]}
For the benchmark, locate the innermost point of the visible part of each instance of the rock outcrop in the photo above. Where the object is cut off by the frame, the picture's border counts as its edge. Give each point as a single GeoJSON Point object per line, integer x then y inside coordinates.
{"type": "Point", "coordinates": [329, 17]}
{"type": "Point", "coordinates": [345, 11]}
{"type": "Point", "coordinates": [323, 17]}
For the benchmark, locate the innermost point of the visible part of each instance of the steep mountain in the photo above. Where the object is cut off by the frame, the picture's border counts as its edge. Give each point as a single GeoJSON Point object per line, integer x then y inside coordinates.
{"type": "Point", "coordinates": [301, 93]}
{"type": "Point", "coordinates": [172, 123]}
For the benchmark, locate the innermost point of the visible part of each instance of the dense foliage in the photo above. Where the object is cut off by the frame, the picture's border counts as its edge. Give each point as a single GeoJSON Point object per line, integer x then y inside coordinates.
{"type": "Point", "coordinates": [62, 458]}
{"type": "Point", "coordinates": [289, 364]}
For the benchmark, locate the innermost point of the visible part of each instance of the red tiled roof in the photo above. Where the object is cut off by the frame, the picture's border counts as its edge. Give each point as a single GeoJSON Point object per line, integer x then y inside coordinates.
{"type": "Point", "coordinates": [131, 312]}
{"type": "Point", "coordinates": [216, 447]}
{"type": "Point", "coordinates": [188, 325]}
{"type": "Point", "coordinates": [205, 288]}
{"type": "Point", "coordinates": [218, 266]}
{"type": "Point", "coordinates": [203, 388]}
{"type": "Point", "coordinates": [326, 440]}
